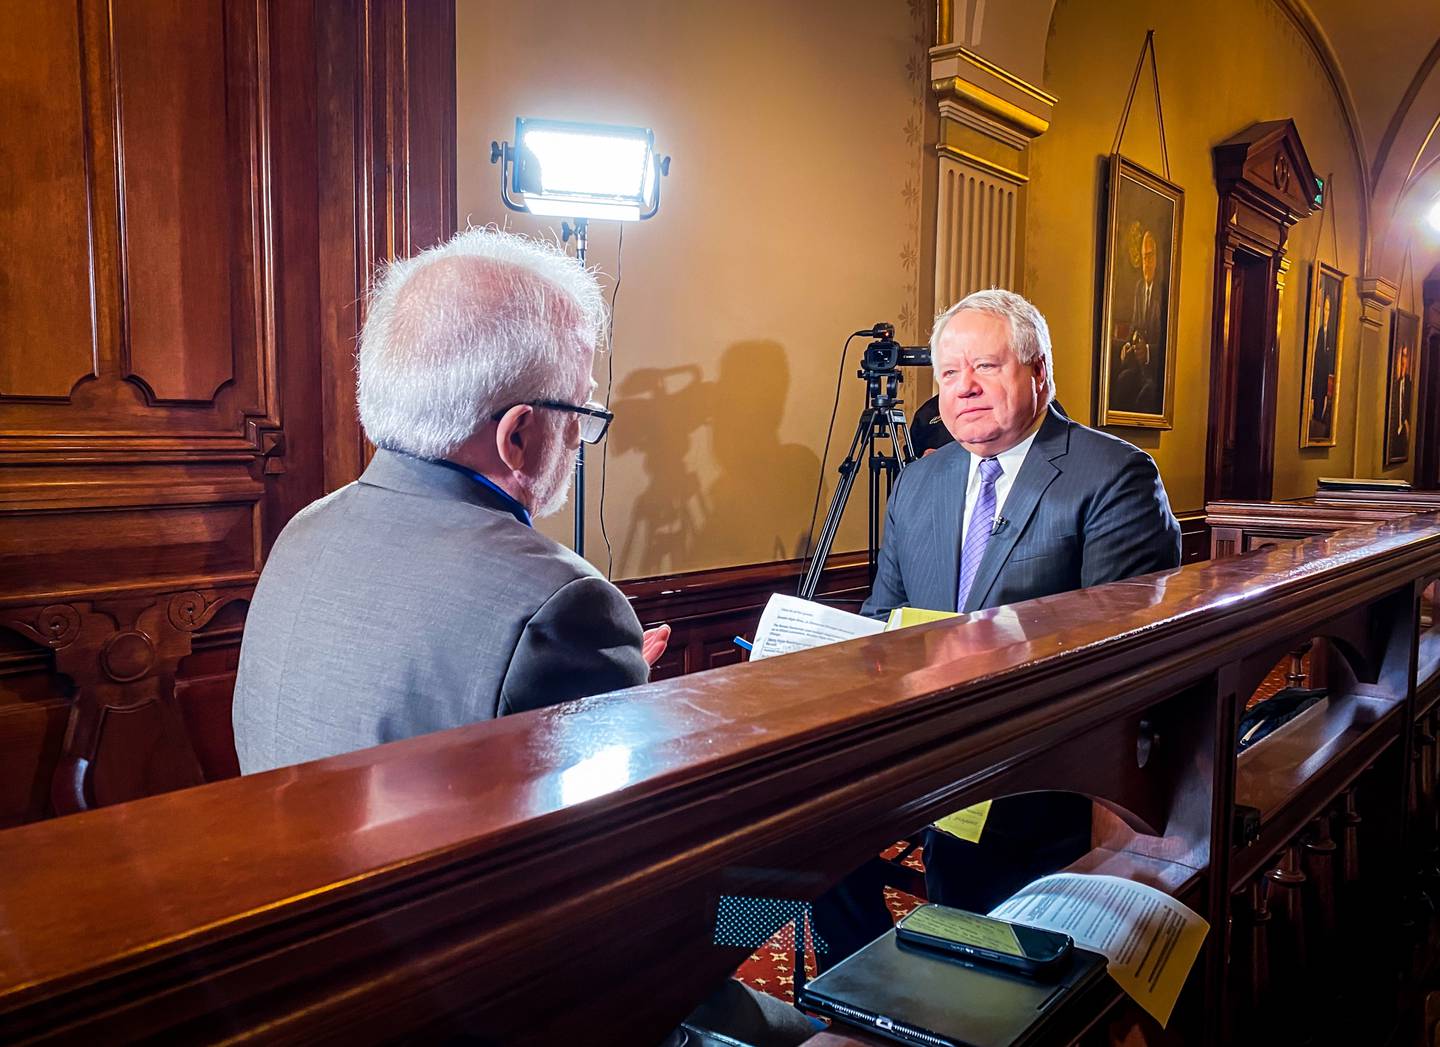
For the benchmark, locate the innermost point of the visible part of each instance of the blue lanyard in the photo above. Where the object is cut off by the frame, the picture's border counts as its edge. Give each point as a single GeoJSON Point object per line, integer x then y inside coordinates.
{"type": "Point", "coordinates": [513, 507]}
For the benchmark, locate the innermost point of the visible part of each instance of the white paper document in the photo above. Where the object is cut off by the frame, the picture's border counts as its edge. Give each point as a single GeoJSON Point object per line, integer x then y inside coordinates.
{"type": "Point", "coordinates": [1150, 939]}
{"type": "Point", "coordinates": [792, 624]}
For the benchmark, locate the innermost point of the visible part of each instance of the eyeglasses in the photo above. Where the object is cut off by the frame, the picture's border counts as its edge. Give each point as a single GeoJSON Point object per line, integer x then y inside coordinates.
{"type": "Point", "coordinates": [594, 419]}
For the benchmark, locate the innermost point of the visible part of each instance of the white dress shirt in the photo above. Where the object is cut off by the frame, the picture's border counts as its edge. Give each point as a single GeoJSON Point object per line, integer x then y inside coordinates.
{"type": "Point", "coordinates": [1010, 463]}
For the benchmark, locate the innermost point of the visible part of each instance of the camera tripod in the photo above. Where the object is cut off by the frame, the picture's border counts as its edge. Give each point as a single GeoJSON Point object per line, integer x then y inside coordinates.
{"type": "Point", "coordinates": [881, 418]}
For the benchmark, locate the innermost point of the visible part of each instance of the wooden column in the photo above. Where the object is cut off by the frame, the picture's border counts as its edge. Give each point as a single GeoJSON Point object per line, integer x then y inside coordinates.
{"type": "Point", "coordinates": [988, 117]}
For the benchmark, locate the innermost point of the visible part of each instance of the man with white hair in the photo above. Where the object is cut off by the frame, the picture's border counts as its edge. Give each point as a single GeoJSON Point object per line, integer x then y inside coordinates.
{"type": "Point", "coordinates": [1025, 503]}
{"type": "Point", "coordinates": [419, 597]}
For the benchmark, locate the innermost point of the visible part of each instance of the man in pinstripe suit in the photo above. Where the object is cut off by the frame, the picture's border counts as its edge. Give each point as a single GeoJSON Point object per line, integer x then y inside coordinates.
{"type": "Point", "coordinates": [1059, 506]}
{"type": "Point", "coordinates": [1025, 503]}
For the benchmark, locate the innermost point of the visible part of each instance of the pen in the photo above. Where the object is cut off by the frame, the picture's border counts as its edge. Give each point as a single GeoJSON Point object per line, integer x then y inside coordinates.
{"type": "Point", "coordinates": [744, 644]}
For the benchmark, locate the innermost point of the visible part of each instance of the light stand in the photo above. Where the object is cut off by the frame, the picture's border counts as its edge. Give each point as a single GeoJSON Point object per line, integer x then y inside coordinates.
{"type": "Point", "coordinates": [578, 172]}
{"type": "Point", "coordinates": [581, 232]}
{"type": "Point", "coordinates": [882, 417]}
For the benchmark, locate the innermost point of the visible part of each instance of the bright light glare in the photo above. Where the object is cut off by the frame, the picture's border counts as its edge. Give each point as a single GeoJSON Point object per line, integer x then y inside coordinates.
{"type": "Point", "coordinates": [1434, 216]}
{"type": "Point", "coordinates": [605, 771]}
{"type": "Point", "coordinates": [572, 207]}
{"type": "Point", "coordinates": [570, 162]}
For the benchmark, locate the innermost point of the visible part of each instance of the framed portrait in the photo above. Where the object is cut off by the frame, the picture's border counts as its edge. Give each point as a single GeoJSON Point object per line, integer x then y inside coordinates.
{"type": "Point", "coordinates": [1321, 390]}
{"type": "Point", "coordinates": [1400, 386]}
{"type": "Point", "coordinates": [1140, 299]}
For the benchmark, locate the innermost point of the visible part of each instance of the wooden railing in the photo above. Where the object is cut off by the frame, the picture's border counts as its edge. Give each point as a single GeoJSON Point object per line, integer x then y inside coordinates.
{"type": "Point", "coordinates": [553, 877]}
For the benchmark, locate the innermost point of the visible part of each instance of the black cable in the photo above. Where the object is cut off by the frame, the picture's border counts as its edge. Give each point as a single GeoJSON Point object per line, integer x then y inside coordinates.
{"type": "Point", "coordinates": [610, 384]}
{"type": "Point", "coordinates": [825, 455]}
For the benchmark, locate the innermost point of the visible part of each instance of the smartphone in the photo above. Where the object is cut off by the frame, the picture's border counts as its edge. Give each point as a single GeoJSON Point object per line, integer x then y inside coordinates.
{"type": "Point", "coordinates": [985, 940]}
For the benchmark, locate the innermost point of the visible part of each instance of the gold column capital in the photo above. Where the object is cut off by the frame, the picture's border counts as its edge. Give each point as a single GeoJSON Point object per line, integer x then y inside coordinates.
{"type": "Point", "coordinates": [1377, 295]}
{"type": "Point", "coordinates": [976, 92]}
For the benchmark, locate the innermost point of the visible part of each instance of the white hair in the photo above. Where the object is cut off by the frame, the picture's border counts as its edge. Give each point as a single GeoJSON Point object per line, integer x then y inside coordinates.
{"type": "Point", "coordinates": [470, 327]}
{"type": "Point", "coordinates": [1029, 333]}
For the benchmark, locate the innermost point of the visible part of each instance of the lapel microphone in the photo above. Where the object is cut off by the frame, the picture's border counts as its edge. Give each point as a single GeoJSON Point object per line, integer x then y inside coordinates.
{"type": "Point", "coordinates": [998, 526]}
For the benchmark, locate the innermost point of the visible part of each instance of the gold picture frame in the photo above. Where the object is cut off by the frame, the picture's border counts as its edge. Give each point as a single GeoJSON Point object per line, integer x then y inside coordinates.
{"type": "Point", "coordinates": [1140, 298]}
{"type": "Point", "coordinates": [1400, 387]}
{"type": "Point", "coordinates": [1322, 349]}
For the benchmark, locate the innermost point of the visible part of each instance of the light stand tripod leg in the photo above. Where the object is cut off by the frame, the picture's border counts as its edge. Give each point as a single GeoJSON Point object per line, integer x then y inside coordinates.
{"type": "Point", "coordinates": [581, 232]}
{"type": "Point", "coordinates": [580, 500]}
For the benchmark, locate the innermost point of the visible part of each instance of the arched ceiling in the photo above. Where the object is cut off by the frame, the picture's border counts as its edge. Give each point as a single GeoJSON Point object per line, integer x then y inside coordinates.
{"type": "Point", "coordinates": [1388, 53]}
{"type": "Point", "coordinates": [1383, 59]}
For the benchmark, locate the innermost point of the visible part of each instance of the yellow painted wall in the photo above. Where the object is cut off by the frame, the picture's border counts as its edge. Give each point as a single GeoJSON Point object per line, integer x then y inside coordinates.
{"type": "Point", "coordinates": [791, 218]}
{"type": "Point", "coordinates": [1223, 66]}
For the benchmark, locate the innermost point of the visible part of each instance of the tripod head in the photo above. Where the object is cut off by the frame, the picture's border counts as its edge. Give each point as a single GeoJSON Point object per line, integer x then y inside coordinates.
{"type": "Point", "coordinates": [883, 359]}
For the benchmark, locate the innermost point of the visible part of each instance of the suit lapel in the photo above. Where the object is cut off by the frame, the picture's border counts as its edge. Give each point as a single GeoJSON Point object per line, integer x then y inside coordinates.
{"type": "Point", "coordinates": [1036, 474]}
{"type": "Point", "coordinates": [947, 512]}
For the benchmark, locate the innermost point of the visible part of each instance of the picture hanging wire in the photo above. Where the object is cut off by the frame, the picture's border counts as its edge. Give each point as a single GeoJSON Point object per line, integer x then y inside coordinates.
{"type": "Point", "coordinates": [1146, 49]}
{"type": "Point", "coordinates": [1320, 233]}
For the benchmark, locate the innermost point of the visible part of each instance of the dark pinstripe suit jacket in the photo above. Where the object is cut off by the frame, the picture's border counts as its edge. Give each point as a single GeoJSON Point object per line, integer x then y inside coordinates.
{"type": "Point", "coordinates": [1087, 508]}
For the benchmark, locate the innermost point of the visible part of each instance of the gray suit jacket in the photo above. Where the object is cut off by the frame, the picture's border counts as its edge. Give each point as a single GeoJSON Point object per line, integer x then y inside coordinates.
{"type": "Point", "coordinates": [412, 601]}
{"type": "Point", "coordinates": [1087, 508]}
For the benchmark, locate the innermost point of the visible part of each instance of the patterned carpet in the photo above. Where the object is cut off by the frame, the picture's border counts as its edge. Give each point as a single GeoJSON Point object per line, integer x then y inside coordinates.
{"type": "Point", "coordinates": [771, 968]}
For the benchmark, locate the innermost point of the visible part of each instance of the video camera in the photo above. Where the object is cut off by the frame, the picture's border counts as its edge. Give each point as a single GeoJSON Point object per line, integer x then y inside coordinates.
{"type": "Point", "coordinates": [885, 355]}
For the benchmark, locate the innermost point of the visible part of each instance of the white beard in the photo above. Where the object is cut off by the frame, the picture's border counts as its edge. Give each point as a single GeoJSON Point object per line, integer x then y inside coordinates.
{"type": "Point", "coordinates": [551, 489]}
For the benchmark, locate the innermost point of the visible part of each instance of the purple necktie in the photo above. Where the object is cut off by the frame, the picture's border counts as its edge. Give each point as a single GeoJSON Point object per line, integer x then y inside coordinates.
{"type": "Point", "coordinates": [977, 535]}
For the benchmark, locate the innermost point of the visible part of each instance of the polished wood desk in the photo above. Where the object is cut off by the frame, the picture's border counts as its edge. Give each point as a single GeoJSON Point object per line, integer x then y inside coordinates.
{"type": "Point", "coordinates": [553, 876]}
{"type": "Point", "coordinates": [1238, 526]}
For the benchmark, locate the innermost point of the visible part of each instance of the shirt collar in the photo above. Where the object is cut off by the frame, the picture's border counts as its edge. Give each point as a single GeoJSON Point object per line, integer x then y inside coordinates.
{"type": "Point", "coordinates": [511, 506]}
{"type": "Point", "coordinates": [1012, 459]}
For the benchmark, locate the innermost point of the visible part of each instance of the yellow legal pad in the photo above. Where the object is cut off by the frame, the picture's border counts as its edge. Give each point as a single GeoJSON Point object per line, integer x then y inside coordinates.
{"type": "Point", "coordinates": [904, 617]}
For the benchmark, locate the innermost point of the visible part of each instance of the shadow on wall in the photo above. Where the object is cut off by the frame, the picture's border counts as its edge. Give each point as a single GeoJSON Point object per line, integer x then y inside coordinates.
{"type": "Point", "coordinates": [752, 509]}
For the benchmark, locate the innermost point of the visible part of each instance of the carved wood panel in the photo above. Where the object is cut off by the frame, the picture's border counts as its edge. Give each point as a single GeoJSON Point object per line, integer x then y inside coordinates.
{"type": "Point", "coordinates": [153, 121]}
{"type": "Point", "coordinates": [161, 353]}
{"type": "Point", "coordinates": [46, 344]}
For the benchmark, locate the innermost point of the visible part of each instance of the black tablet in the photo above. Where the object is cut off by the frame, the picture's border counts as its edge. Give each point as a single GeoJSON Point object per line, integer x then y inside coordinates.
{"type": "Point", "coordinates": [919, 997]}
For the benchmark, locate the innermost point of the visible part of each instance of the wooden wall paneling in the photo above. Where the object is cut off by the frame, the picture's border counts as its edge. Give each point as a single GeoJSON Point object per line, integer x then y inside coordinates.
{"type": "Point", "coordinates": [291, 459]}
{"type": "Point", "coordinates": [45, 210]}
{"type": "Point", "coordinates": [386, 85]}
{"type": "Point", "coordinates": [134, 505]}
{"type": "Point", "coordinates": [345, 222]}
{"type": "Point", "coordinates": [176, 367]}
{"type": "Point", "coordinates": [179, 282]}
{"type": "Point", "coordinates": [421, 44]}
{"type": "Point", "coordinates": [178, 220]}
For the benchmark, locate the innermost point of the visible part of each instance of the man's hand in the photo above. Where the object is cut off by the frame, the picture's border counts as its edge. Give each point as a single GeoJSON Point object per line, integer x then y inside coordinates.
{"type": "Point", "coordinates": [652, 645]}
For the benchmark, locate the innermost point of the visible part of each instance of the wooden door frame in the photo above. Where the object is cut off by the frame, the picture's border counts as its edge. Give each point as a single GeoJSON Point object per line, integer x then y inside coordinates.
{"type": "Point", "coordinates": [1261, 175]}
